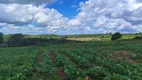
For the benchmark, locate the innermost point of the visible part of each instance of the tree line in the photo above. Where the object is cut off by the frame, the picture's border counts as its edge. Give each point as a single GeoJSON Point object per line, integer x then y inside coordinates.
{"type": "Point", "coordinates": [20, 40]}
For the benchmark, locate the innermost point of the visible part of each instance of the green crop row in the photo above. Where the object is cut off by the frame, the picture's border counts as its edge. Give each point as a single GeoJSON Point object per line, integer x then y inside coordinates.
{"type": "Point", "coordinates": [16, 63]}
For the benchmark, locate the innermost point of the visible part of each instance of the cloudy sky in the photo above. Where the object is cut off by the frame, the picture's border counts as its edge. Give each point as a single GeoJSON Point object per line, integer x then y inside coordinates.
{"type": "Point", "coordinates": [64, 17]}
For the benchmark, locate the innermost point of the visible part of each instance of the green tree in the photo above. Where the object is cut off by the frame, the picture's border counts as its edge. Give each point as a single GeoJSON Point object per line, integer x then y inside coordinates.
{"type": "Point", "coordinates": [1, 38]}
{"type": "Point", "coordinates": [17, 40]}
{"type": "Point", "coordinates": [116, 36]}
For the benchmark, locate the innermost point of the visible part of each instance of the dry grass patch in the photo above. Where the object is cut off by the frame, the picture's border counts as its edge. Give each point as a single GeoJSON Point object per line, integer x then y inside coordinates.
{"type": "Point", "coordinates": [84, 39]}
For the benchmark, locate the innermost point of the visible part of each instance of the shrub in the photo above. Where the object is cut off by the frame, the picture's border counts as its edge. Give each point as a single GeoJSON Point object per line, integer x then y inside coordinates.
{"type": "Point", "coordinates": [116, 36]}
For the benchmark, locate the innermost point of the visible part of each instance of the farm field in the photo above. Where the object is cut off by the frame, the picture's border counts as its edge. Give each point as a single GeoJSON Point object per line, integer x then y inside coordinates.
{"type": "Point", "coordinates": [99, 60]}
{"type": "Point", "coordinates": [70, 39]}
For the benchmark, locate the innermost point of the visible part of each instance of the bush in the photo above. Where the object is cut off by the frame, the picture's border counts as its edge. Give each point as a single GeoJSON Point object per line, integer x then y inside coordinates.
{"type": "Point", "coordinates": [137, 37]}
{"type": "Point", "coordinates": [1, 38]}
{"type": "Point", "coordinates": [116, 36]}
{"type": "Point", "coordinates": [17, 40]}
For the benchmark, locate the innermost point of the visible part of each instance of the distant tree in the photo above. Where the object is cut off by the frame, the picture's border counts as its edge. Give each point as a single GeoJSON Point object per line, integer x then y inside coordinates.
{"type": "Point", "coordinates": [1, 38]}
{"type": "Point", "coordinates": [138, 37]}
{"type": "Point", "coordinates": [116, 36]}
{"type": "Point", "coordinates": [17, 40]}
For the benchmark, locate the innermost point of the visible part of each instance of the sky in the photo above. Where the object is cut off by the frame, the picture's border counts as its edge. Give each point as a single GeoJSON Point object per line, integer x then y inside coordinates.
{"type": "Point", "coordinates": [66, 17]}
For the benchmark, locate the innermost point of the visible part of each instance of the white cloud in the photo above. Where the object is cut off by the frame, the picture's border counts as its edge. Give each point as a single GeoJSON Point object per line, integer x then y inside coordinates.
{"type": "Point", "coordinates": [74, 22]}
{"type": "Point", "coordinates": [36, 2]}
{"type": "Point", "coordinates": [113, 8]}
{"type": "Point", "coordinates": [25, 14]}
{"type": "Point", "coordinates": [2, 24]}
{"type": "Point", "coordinates": [50, 17]}
{"type": "Point", "coordinates": [95, 16]}
{"type": "Point", "coordinates": [138, 28]}
{"type": "Point", "coordinates": [17, 14]}
{"type": "Point", "coordinates": [111, 15]}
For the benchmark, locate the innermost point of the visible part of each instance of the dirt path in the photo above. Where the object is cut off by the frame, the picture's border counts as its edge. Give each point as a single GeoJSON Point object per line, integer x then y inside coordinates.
{"type": "Point", "coordinates": [38, 61]}
{"type": "Point", "coordinates": [59, 71]}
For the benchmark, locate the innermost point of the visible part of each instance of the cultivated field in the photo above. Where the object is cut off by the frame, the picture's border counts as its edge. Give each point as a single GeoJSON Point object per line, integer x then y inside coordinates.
{"type": "Point", "coordinates": [106, 60]}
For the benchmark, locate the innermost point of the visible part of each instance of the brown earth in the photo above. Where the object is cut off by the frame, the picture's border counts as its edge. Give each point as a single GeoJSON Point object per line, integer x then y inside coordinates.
{"type": "Point", "coordinates": [125, 56]}
{"type": "Point", "coordinates": [59, 71]}
{"type": "Point", "coordinates": [38, 61]}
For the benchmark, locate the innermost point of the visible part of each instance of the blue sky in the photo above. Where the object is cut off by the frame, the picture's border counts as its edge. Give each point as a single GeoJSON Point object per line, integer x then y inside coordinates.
{"type": "Point", "coordinates": [63, 17]}
{"type": "Point", "coordinates": [69, 8]}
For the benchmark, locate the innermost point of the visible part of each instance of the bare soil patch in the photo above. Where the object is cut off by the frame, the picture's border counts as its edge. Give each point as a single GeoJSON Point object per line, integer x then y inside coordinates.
{"type": "Point", "coordinates": [125, 55]}
{"type": "Point", "coordinates": [38, 61]}
{"type": "Point", "coordinates": [59, 71]}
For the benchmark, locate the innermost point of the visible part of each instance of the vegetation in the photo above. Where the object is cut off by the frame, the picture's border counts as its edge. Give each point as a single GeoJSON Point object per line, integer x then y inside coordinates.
{"type": "Point", "coordinates": [116, 36]}
{"type": "Point", "coordinates": [17, 40]}
{"type": "Point", "coordinates": [138, 37]}
{"type": "Point", "coordinates": [61, 59]}
{"type": "Point", "coordinates": [1, 38]}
